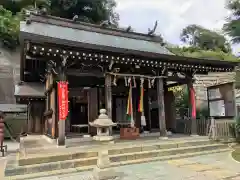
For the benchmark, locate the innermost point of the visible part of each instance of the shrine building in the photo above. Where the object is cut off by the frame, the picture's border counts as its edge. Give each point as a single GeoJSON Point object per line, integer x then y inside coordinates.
{"type": "Point", "coordinates": [126, 73]}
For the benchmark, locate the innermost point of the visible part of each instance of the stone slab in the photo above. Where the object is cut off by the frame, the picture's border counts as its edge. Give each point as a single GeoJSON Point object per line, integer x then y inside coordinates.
{"type": "Point", "coordinates": [151, 170]}
{"type": "Point", "coordinates": [116, 160]}
{"type": "Point", "coordinates": [37, 159]}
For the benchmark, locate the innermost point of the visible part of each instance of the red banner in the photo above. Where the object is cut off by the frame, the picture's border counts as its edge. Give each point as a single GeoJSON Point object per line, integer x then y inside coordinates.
{"type": "Point", "coordinates": [63, 100]}
{"type": "Point", "coordinates": [193, 103]}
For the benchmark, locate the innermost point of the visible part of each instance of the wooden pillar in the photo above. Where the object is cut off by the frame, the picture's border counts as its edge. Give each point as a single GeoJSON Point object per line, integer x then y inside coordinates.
{"type": "Point", "coordinates": [192, 107]}
{"type": "Point", "coordinates": [29, 118]}
{"type": "Point", "coordinates": [108, 95]}
{"type": "Point", "coordinates": [54, 120]}
{"type": "Point", "coordinates": [61, 69]}
{"type": "Point", "coordinates": [161, 107]}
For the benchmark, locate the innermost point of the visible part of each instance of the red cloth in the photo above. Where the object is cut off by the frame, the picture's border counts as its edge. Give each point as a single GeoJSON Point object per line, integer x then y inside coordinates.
{"type": "Point", "coordinates": [193, 103]}
{"type": "Point", "coordinates": [1, 130]}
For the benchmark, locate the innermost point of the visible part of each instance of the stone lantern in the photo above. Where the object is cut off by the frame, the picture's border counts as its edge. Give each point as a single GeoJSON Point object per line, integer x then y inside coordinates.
{"type": "Point", "coordinates": [103, 170]}
{"type": "Point", "coordinates": [103, 125]}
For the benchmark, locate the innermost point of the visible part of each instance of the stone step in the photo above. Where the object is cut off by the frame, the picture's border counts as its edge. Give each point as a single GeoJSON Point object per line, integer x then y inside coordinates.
{"type": "Point", "coordinates": [115, 164]}
{"type": "Point", "coordinates": [112, 151]}
{"type": "Point", "coordinates": [115, 159]}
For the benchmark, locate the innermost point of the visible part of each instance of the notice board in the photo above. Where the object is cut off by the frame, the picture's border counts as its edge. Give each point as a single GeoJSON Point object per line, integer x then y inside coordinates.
{"type": "Point", "coordinates": [221, 100]}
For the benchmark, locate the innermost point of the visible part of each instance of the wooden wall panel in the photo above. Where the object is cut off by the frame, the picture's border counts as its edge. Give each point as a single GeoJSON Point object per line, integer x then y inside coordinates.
{"type": "Point", "coordinates": [170, 110]}
{"type": "Point", "coordinates": [53, 106]}
{"type": "Point", "coordinates": [92, 108]}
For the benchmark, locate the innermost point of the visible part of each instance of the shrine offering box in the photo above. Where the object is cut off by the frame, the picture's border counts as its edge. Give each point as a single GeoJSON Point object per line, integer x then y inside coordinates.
{"type": "Point", "coordinates": [129, 133]}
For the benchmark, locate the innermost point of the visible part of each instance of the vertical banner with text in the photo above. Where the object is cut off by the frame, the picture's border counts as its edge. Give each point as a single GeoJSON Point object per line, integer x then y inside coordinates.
{"type": "Point", "coordinates": [62, 99]}
{"type": "Point", "coordinates": [193, 103]}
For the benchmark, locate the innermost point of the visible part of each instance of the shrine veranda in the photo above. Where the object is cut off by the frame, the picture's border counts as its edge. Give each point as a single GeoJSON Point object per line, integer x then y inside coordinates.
{"type": "Point", "coordinates": [126, 73]}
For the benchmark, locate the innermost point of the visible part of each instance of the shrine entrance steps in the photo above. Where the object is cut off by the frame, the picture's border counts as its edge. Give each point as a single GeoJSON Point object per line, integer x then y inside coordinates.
{"type": "Point", "coordinates": [55, 161]}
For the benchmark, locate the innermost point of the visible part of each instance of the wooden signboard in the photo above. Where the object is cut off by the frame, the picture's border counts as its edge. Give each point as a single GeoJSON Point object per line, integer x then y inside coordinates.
{"type": "Point", "coordinates": [221, 100]}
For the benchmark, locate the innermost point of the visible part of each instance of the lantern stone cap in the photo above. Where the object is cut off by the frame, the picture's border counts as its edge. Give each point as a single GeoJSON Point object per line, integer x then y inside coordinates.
{"type": "Point", "coordinates": [103, 120]}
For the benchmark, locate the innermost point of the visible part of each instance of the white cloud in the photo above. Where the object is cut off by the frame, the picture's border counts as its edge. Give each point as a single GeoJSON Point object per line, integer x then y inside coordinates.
{"type": "Point", "coordinates": [172, 15]}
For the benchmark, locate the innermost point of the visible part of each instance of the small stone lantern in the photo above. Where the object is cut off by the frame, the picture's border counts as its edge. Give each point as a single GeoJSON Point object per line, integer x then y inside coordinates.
{"type": "Point", "coordinates": [103, 124]}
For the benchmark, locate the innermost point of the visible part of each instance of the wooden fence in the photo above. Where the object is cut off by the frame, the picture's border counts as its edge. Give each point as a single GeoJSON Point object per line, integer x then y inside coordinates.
{"type": "Point", "coordinates": [222, 127]}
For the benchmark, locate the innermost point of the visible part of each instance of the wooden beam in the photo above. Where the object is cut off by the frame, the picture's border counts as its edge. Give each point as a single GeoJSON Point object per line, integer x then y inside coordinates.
{"type": "Point", "coordinates": [90, 73]}
{"type": "Point", "coordinates": [95, 73]}
{"type": "Point", "coordinates": [176, 84]}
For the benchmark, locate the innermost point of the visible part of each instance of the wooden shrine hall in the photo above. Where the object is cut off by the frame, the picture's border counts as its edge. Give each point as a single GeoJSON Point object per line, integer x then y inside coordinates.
{"type": "Point", "coordinates": [123, 72]}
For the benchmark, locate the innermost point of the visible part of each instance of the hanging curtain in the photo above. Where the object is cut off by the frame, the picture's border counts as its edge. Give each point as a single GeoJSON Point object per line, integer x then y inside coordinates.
{"type": "Point", "coordinates": [140, 105]}
{"type": "Point", "coordinates": [130, 106]}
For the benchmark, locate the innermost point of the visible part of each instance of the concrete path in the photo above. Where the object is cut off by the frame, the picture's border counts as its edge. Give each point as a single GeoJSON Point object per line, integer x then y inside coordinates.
{"type": "Point", "coordinates": [12, 148]}
{"type": "Point", "coordinates": [209, 167]}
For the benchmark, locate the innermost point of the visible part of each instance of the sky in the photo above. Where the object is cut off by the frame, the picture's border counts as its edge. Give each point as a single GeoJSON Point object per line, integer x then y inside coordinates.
{"type": "Point", "coordinates": [172, 16]}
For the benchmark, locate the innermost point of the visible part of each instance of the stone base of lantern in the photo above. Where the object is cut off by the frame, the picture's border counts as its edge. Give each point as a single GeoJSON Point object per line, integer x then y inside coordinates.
{"type": "Point", "coordinates": [104, 171]}
{"type": "Point", "coordinates": [103, 138]}
{"type": "Point", "coordinates": [104, 174]}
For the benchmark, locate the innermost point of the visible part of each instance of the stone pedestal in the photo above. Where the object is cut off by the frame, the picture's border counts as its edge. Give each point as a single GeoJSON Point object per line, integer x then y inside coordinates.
{"type": "Point", "coordinates": [103, 171]}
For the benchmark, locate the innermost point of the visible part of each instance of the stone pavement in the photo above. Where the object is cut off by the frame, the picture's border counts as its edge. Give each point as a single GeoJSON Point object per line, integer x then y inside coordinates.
{"type": "Point", "coordinates": [12, 148]}
{"type": "Point", "coordinates": [208, 167]}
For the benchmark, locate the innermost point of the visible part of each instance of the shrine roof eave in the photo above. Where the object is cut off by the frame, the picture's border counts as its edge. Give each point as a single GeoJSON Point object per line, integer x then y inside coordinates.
{"type": "Point", "coordinates": [73, 37]}
{"type": "Point", "coordinates": [79, 25]}
{"type": "Point", "coordinates": [49, 30]}
{"type": "Point", "coordinates": [156, 56]}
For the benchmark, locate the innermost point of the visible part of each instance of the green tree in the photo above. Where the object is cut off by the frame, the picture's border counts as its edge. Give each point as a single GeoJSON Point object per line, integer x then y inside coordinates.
{"type": "Point", "coordinates": [93, 11]}
{"type": "Point", "coordinates": [197, 52]}
{"type": "Point", "coordinates": [16, 6]}
{"type": "Point", "coordinates": [202, 38]}
{"type": "Point", "coordinates": [232, 27]}
{"type": "Point", "coordinates": [9, 28]}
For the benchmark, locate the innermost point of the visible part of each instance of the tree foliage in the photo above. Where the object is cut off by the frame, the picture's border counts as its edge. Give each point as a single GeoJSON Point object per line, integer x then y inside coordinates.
{"type": "Point", "coordinates": [206, 39]}
{"type": "Point", "coordinates": [9, 28]}
{"type": "Point", "coordinates": [232, 27]}
{"type": "Point", "coordinates": [197, 52]}
{"type": "Point", "coordinates": [93, 11]}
